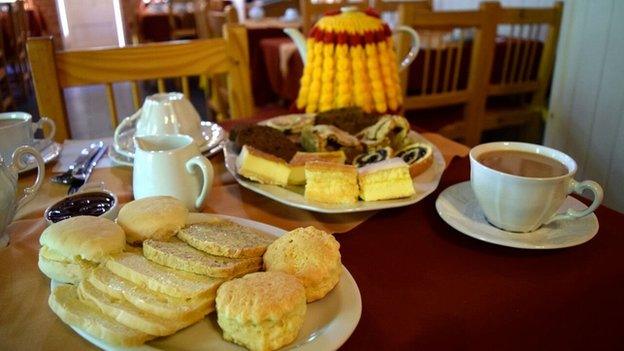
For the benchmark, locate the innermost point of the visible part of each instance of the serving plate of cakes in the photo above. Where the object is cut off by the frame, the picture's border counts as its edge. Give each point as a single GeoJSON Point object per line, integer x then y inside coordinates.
{"type": "Point", "coordinates": [161, 278]}
{"type": "Point", "coordinates": [337, 161]}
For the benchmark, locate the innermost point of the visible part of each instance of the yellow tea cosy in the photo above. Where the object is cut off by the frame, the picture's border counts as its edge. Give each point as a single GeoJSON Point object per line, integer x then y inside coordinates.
{"type": "Point", "coordinates": [351, 61]}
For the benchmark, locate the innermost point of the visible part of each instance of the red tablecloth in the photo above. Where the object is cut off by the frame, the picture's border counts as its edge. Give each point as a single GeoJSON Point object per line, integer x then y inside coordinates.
{"type": "Point", "coordinates": [426, 286]}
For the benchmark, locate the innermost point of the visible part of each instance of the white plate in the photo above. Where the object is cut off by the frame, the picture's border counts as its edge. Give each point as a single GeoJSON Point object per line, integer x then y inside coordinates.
{"type": "Point", "coordinates": [49, 152]}
{"type": "Point", "coordinates": [458, 207]}
{"type": "Point", "coordinates": [424, 185]}
{"type": "Point", "coordinates": [124, 145]}
{"type": "Point", "coordinates": [121, 160]}
{"type": "Point", "coordinates": [328, 322]}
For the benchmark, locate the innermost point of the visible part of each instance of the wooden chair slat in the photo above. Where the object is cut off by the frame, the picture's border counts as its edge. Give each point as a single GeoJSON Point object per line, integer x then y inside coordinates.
{"type": "Point", "coordinates": [112, 106]}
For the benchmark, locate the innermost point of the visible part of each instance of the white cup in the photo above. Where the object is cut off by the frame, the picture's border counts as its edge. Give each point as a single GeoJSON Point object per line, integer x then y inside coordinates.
{"type": "Point", "coordinates": [523, 204]}
{"type": "Point", "coordinates": [171, 165]}
{"type": "Point", "coordinates": [169, 113]}
{"type": "Point", "coordinates": [17, 129]}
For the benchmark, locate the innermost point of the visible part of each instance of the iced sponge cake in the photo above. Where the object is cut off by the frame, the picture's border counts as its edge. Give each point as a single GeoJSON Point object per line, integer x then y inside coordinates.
{"type": "Point", "coordinates": [389, 179]}
{"type": "Point", "coordinates": [331, 182]}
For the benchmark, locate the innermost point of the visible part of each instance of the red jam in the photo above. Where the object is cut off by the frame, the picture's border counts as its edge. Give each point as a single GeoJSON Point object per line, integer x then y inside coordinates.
{"type": "Point", "coordinates": [87, 204]}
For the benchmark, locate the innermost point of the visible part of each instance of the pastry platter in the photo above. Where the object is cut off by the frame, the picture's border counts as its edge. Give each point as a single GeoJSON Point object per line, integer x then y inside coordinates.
{"type": "Point", "coordinates": [424, 184]}
{"type": "Point", "coordinates": [328, 322]}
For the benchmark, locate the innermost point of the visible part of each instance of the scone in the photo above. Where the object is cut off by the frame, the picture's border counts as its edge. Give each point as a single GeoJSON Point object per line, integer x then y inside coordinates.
{"type": "Point", "coordinates": [331, 183]}
{"type": "Point", "coordinates": [71, 248]}
{"type": "Point", "coordinates": [309, 254]}
{"type": "Point", "coordinates": [179, 255]}
{"type": "Point", "coordinates": [157, 217]}
{"type": "Point", "coordinates": [419, 157]}
{"type": "Point", "coordinates": [226, 238]}
{"type": "Point", "coordinates": [261, 311]}
{"type": "Point", "coordinates": [262, 167]}
{"type": "Point", "coordinates": [297, 164]}
{"type": "Point", "coordinates": [389, 179]}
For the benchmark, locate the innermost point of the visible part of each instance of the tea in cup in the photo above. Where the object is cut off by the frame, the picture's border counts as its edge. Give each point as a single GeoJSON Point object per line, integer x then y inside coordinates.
{"type": "Point", "coordinates": [171, 165]}
{"type": "Point", "coordinates": [521, 186]}
{"type": "Point", "coordinates": [17, 129]}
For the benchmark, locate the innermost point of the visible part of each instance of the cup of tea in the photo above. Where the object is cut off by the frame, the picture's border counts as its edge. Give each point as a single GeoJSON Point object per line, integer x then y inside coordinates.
{"type": "Point", "coordinates": [17, 129]}
{"type": "Point", "coordinates": [520, 186]}
{"type": "Point", "coordinates": [171, 165]}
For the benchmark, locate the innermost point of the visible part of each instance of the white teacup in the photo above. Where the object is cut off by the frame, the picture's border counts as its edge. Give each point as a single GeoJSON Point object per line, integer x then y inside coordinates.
{"type": "Point", "coordinates": [522, 204]}
{"type": "Point", "coordinates": [169, 113]}
{"type": "Point", "coordinates": [171, 165]}
{"type": "Point", "coordinates": [17, 129]}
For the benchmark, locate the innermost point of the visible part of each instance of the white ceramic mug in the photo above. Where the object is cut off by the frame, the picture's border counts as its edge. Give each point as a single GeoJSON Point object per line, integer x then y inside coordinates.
{"type": "Point", "coordinates": [162, 114]}
{"type": "Point", "coordinates": [17, 129]}
{"type": "Point", "coordinates": [171, 165]}
{"type": "Point", "coordinates": [523, 204]}
{"type": "Point", "coordinates": [9, 201]}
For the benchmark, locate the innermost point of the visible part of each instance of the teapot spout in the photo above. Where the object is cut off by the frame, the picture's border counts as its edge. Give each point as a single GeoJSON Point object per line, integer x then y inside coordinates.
{"type": "Point", "coordinates": [299, 40]}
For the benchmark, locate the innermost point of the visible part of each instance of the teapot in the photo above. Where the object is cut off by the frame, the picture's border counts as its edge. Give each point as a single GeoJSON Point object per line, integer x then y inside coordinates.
{"type": "Point", "coordinates": [350, 60]}
{"type": "Point", "coordinates": [9, 204]}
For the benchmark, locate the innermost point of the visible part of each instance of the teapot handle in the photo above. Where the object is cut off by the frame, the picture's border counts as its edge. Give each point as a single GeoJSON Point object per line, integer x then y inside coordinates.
{"type": "Point", "coordinates": [17, 165]}
{"type": "Point", "coordinates": [411, 55]}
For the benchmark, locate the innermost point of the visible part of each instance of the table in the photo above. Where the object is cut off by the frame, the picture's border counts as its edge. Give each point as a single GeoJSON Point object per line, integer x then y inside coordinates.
{"type": "Point", "coordinates": [423, 284]}
{"type": "Point", "coordinates": [257, 31]}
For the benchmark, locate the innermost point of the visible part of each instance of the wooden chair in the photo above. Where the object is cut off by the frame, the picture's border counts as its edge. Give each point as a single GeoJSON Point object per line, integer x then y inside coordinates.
{"type": "Point", "coordinates": [443, 79]}
{"type": "Point", "coordinates": [18, 34]}
{"type": "Point", "coordinates": [182, 33]}
{"type": "Point", "coordinates": [530, 40]}
{"type": "Point", "coordinates": [312, 11]}
{"type": "Point", "coordinates": [52, 72]}
{"type": "Point", "coordinates": [6, 94]}
{"type": "Point", "coordinates": [393, 6]}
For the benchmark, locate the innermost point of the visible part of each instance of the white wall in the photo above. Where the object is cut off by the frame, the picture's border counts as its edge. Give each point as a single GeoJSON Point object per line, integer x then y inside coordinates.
{"type": "Point", "coordinates": [587, 101]}
{"type": "Point", "coordinates": [90, 23]}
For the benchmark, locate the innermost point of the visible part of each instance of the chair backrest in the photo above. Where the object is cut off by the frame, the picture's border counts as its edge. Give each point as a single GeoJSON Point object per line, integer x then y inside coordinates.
{"type": "Point", "coordinates": [451, 63]}
{"type": "Point", "coordinates": [393, 6]}
{"type": "Point", "coordinates": [177, 32]}
{"type": "Point", "coordinates": [53, 72]}
{"type": "Point", "coordinates": [526, 44]}
{"type": "Point", "coordinates": [312, 10]}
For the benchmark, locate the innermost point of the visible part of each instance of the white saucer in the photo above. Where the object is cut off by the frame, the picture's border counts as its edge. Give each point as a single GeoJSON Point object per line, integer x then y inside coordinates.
{"type": "Point", "coordinates": [212, 133]}
{"type": "Point", "coordinates": [121, 160]}
{"type": "Point", "coordinates": [458, 207]}
{"type": "Point", "coordinates": [50, 151]}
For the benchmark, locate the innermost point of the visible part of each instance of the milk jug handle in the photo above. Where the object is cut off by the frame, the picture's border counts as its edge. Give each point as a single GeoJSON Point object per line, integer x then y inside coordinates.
{"type": "Point", "coordinates": [415, 45]}
{"type": "Point", "coordinates": [208, 174]}
{"type": "Point", "coordinates": [578, 188]}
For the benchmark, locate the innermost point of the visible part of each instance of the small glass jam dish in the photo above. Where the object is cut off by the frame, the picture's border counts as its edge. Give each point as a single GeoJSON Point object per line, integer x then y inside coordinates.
{"type": "Point", "coordinates": [92, 200]}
